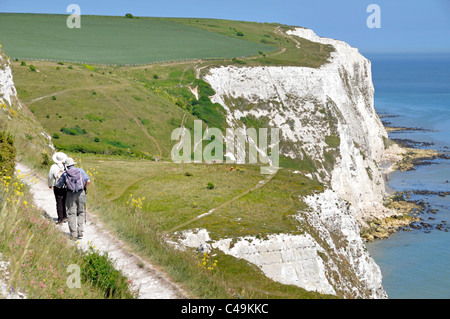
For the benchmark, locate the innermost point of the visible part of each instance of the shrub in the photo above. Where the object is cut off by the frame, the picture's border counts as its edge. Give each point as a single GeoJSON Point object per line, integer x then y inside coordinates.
{"type": "Point", "coordinates": [239, 34]}
{"type": "Point", "coordinates": [100, 271]}
{"type": "Point", "coordinates": [73, 131]}
{"type": "Point", "coordinates": [238, 61]}
{"type": "Point", "coordinates": [204, 88]}
{"type": "Point", "coordinates": [45, 159]}
{"type": "Point", "coordinates": [156, 77]}
{"type": "Point", "coordinates": [211, 113]}
{"type": "Point", "coordinates": [118, 144]}
{"type": "Point", "coordinates": [96, 140]}
{"type": "Point", "coordinates": [7, 154]}
{"type": "Point", "coordinates": [23, 63]}
{"type": "Point", "coordinates": [143, 121]}
{"type": "Point", "coordinates": [267, 41]}
{"type": "Point", "coordinates": [56, 136]}
{"type": "Point", "coordinates": [210, 186]}
{"type": "Point", "coordinates": [53, 97]}
{"type": "Point", "coordinates": [32, 68]}
{"type": "Point", "coordinates": [129, 15]}
{"type": "Point", "coordinates": [89, 67]}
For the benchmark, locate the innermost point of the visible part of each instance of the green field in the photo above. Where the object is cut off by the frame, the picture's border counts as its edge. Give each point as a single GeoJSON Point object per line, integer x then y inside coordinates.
{"type": "Point", "coordinates": [106, 109]}
{"type": "Point", "coordinates": [147, 202]}
{"type": "Point", "coordinates": [115, 40]}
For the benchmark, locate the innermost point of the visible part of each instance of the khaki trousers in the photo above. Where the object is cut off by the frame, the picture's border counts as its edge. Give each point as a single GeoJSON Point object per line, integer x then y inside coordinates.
{"type": "Point", "coordinates": [75, 207]}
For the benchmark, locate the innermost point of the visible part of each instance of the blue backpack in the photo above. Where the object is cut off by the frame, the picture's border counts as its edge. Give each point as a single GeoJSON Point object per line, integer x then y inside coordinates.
{"type": "Point", "coordinates": [74, 180]}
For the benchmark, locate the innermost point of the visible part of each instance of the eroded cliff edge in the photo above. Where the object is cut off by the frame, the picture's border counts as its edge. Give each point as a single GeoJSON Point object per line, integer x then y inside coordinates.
{"type": "Point", "coordinates": [327, 119]}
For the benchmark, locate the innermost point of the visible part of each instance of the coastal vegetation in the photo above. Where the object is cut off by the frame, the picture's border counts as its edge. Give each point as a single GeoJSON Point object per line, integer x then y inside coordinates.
{"type": "Point", "coordinates": [117, 119]}
{"type": "Point", "coordinates": [37, 254]}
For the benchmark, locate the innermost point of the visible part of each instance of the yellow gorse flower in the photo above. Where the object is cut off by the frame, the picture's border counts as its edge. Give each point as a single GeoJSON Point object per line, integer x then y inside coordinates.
{"type": "Point", "coordinates": [135, 203]}
{"type": "Point", "coordinates": [12, 187]}
{"type": "Point", "coordinates": [207, 263]}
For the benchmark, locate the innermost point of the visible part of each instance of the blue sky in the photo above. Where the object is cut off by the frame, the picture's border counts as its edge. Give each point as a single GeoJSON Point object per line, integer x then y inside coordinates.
{"type": "Point", "coordinates": [406, 26]}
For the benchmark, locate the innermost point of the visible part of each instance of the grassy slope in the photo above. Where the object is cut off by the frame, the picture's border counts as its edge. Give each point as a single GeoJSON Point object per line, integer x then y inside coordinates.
{"type": "Point", "coordinates": [298, 52]}
{"type": "Point", "coordinates": [37, 251]}
{"type": "Point", "coordinates": [167, 197]}
{"type": "Point", "coordinates": [114, 40]}
{"type": "Point", "coordinates": [136, 108]}
{"type": "Point", "coordinates": [119, 111]}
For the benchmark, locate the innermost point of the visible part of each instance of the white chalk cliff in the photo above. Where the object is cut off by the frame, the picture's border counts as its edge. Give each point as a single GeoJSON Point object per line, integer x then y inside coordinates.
{"type": "Point", "coordinates": [7, 89]}
{"type": "Point", "coordinates": [309, 104]}
{"type": "Point", "coordinates": [10, 108]}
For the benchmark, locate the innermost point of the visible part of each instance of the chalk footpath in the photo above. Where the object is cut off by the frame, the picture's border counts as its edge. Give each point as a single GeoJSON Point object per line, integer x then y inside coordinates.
{"type": "Point", "coordinates": [151, 282]}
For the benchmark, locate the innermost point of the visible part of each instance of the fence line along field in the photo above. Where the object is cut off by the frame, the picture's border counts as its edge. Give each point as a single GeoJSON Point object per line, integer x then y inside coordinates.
{"type": "Point", "coordinates": [115, 40]}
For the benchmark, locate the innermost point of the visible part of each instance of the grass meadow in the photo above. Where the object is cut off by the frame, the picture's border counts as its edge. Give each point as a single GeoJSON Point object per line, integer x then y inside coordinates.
{"type": "Point", "coordinates": [146, 203]}
{"type": "Point", "coordinates": [104, 110]}
{"type": "Point", "coordinates": [115, 40]}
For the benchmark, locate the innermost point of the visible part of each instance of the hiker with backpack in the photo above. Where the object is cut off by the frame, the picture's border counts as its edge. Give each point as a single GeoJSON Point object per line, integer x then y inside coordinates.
{"type": "Point", "coordinates": [54, 174]}
{"type": "Point", "coordinates": [76, 181]}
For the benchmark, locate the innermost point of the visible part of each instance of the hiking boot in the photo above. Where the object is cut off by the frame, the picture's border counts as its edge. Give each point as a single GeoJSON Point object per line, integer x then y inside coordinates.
{"type": "Point", "coordinates": [59, 222]}
{"type": "Point", "coordinates": [80, 236]}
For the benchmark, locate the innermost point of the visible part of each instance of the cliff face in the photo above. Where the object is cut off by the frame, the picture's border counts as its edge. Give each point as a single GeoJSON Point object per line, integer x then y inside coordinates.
{"type": "Point", "coordinates": [329, 258]}
{"type": "Point", "coordinates": [309, 105]}
{"type": "Point", "coordinates": [326, 117]}
{"type": "Point", "coordinates": [18, 120]}
{"type": "Point", "coordinates": [7, 90]}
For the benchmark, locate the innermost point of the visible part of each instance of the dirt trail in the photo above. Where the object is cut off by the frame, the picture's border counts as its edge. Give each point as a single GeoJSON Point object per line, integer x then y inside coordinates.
{"type": "Point", "coordinates": [136, 120]}
{"type": "Point", "coordinates": [151, 282]}
{"type": "Point", "coordinates": [231, 200]}
{"type": "Point", "coordinates": [70, 90]}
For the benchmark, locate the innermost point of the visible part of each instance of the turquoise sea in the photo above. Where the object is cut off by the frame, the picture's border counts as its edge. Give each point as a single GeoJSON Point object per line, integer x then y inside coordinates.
{"type": "Point", "coordinates": [414, 91]}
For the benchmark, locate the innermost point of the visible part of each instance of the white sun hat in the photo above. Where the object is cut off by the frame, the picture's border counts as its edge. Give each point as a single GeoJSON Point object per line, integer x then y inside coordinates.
{"type": "Point", "coordinates": [59, 157]}
{"type": "Point", "coordinates": [69, 162]}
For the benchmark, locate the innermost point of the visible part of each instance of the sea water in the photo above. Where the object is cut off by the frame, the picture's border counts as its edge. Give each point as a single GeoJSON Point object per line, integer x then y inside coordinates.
{"type": "Point", "coordinates": [414, 91]}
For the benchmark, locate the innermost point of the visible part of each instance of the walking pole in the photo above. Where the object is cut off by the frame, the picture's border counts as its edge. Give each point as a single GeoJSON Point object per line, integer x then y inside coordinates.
{"type": "Point", "coordinates": [85, 207]}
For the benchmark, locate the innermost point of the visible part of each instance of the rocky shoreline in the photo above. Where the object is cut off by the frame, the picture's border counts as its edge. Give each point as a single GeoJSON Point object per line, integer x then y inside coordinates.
{"type": "Point", "coordinates": [409, 214]}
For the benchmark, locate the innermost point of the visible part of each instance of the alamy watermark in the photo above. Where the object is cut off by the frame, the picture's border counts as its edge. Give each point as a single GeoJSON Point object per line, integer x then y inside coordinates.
{"type": "Point", "coordinates": [74, 20]}
{"type": "Point", "coordinates": [74, 279]}
{"type": "Point", "coordinates": [374, 19]}
{"type": "Point", "coordinates": [188, 150]}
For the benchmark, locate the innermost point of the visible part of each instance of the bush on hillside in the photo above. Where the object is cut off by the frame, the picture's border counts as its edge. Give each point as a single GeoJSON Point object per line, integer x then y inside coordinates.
{"type": "Point", "coordinates": [7, 154]}
{"type": "Point", "coordinates": [73, 130]}
{"type": "Point", "coordinates": [211, 113]}
{"type": "Point", "coordinates": [100, 271]}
